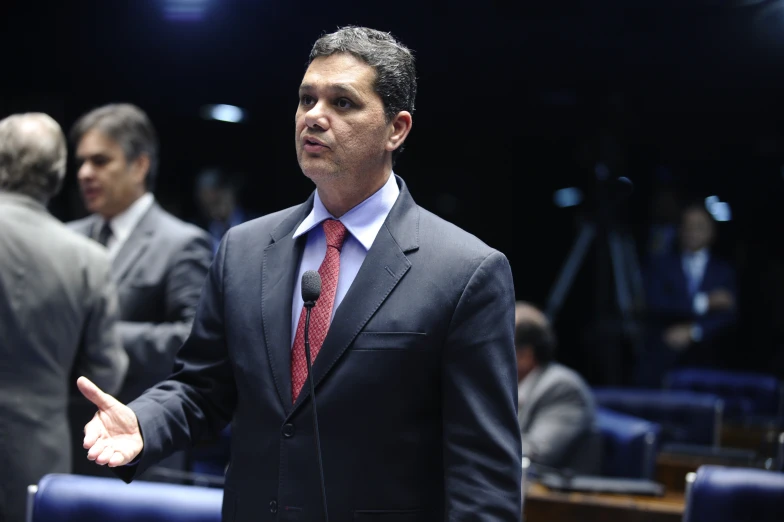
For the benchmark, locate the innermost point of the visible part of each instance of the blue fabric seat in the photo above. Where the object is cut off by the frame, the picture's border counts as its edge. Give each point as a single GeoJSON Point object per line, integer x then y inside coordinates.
{"type": "Point", "coordinates": [78, 498]}
{"type": "Point", "coordinates": [628, 444]}
{"type": "Point", "coordinates": [726, 494]}
{"type": "Point", "coordinates": [685, 417]}
{"type": "Point", "coordinates": [746, 395]}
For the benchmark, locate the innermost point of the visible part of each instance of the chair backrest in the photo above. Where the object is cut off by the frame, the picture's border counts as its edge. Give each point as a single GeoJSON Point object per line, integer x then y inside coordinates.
{"type": "Point", "coordinates": [729, 494]}
{"type": "Point", "coordinates": [745, 393]}
{"type": "Point", "coordinates": [685, 416]}
{"type": "Point", "coordinates": [629, 444]}
{"type": "Point", "coordinates": [78, 498]}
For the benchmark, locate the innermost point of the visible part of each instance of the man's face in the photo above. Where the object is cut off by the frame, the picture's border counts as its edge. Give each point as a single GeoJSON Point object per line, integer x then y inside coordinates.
{"type": "Point", "coordinates": [696, 230]}
{"type": "Point", "coordinates": [217, 203]}
{"type": "Point", "coordinates": [108, 182]}
{"type": "Point", "coordinates": [341, 129]}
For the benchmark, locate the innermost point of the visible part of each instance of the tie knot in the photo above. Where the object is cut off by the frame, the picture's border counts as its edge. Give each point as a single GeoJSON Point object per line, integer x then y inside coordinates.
{"type": "Point", "coordinates": [105, 233]}
{"type": "Point", "coordinates": [335, 232]}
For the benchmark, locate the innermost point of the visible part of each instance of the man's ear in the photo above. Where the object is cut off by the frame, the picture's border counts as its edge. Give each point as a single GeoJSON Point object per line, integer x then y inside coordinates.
{"type": "Point", "coordinates": [140, 168]}
{"type": "Point", "coordinates": [400, 126]}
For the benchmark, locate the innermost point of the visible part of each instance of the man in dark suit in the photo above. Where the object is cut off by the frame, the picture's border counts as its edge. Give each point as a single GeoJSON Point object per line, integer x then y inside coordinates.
{"type": "Point", "coordinates": [58, 311]}
{"type": "Point", "coordinates": [159, 263]}
{"type": "Point", "coordinates": [556, 410]}
{"type": "Point", "coordinates": [415, 373]}
{"type": "Point", "coordinates": [691, 299]}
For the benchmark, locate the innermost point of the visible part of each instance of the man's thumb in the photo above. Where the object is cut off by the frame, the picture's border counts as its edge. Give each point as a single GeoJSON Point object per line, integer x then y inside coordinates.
{"type": "Point", "coordinates": [94, 394]}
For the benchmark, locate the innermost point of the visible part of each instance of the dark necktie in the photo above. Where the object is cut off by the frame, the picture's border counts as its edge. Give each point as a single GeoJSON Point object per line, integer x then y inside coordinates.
{"type": "Point", "coordinates": [322, 313]}
{"type": "Point", "coordinates": [105, 233]}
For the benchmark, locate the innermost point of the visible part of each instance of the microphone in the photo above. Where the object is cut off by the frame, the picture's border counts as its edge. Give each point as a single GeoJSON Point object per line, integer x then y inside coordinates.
{"type": "Point", "coordinates": [311, 290]}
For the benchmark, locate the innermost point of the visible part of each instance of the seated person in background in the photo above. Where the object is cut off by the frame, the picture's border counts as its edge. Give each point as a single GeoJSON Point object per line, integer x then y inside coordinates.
{"type": "Point", "coordinates": [555, 408]}
{"type": "Point", "coordinates": [691, 301]}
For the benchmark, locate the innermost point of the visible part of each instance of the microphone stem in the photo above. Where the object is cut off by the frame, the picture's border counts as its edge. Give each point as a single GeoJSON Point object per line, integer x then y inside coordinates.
{"type": "Point", "coordinates": [317, 439]}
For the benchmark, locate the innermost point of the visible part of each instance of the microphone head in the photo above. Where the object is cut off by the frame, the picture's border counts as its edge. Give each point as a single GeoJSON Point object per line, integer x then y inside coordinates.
{"type": "Point", "coordinates": [311, 286]}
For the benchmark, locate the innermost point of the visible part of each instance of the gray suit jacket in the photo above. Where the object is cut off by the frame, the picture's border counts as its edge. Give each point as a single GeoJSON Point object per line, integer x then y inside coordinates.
{"type": "Point", "coordinates": [557, 422]}
{"type": "Point", "coordinates": [159, 272]}
{"type": "Point", "coordinates": [415, 380]}
{"type": "Point", "coordinates": [58, 309]}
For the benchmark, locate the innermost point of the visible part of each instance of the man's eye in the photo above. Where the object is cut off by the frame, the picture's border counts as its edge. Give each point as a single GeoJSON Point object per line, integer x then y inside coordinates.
{"type": "Point", "coordinates": [343, 103]}
{"type": "Point", "coordinates": [306, 99]}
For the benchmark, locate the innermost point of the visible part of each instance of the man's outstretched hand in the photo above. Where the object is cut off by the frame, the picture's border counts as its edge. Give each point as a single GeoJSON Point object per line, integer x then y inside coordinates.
{"type": "Point", "coordinates": [113, 436]}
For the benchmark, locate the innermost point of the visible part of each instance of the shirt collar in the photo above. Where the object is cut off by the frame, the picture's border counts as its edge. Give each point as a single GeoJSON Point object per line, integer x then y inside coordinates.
{"type": "Point", "coordinates": [123, 223]}
{"type": "Point", "coordinates": [363, 221]}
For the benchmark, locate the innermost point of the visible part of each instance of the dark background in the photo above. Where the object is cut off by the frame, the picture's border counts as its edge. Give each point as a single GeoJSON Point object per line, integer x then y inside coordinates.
{"type": "Point", "coordinates": [516, 100]}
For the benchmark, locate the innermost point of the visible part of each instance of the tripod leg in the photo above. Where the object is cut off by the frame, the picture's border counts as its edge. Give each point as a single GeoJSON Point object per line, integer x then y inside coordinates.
{"type": "Point", "coordinates": [569, 270]}
{"type": "Point", "coordinates": [620, 272]}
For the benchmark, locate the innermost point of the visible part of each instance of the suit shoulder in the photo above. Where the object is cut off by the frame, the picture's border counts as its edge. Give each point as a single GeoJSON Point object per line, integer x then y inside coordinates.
{"type": "Point", "coordinates": [450, 238]}
{"type": "Point", "coordinates": [560, 377]}
{"type": "Point", "coordinates": [176, 227]}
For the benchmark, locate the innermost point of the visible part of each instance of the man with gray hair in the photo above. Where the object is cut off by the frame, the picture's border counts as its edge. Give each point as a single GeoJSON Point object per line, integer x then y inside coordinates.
{"type": "Point", "coordinates": [58, 310]}
{"type": "Point", "coordinates": [411, 334]}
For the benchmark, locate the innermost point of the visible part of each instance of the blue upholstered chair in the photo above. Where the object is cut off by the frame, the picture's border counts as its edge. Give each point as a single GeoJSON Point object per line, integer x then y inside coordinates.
{"type": "Point", "coordinates": [746, 395]}
{"type": "Point", "coordinates": [78, 498]}
{"type": "Point", "coordinates": [726, 494]}
{"type": "Point", "coordinates": [628, 444]}
{"type": "Point", "coordinates": [685, 417]}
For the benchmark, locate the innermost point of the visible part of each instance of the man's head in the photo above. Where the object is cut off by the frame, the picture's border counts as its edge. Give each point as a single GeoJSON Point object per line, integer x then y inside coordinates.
{"type": "Point", "coordinates": [32, 155]}
{"type": "Point", "coordinates": [356, 100]}
{"type": "Point", "coordinates": [697, 229]}
{"type": "Point", "coordinates": [117, 152]}
{"type": "Point", "coordinates": [535, 340]}
{"type": "Point", "coordinates": [215, 194]}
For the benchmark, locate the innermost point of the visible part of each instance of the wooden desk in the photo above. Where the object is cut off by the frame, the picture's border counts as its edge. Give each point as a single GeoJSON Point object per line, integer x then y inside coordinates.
{"type": "Point", "coordinates": [544, 505]}
{"type": "Point", "coordinates": [671, 468]}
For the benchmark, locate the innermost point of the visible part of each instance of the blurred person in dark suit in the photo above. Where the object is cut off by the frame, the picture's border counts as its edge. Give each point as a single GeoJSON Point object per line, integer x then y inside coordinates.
{"type": "Point", "coordinates": [159, 263]}
{"type": "Point", "coordinates": [556, 411]}
{"type": "Point", "coordinates": [58, 311]}
{"type": "Point", "coordinates": [691, 301]}
{"type": "Point", "coordinates": [412, 335]}
{"type": "Point", "coordinates": [217, 202]}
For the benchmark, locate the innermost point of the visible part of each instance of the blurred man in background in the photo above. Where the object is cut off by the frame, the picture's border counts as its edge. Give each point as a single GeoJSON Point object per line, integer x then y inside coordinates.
{"type": "Point", "coordinates": [691, 299]}
{"type": "Point", "coordinates": [159, 262]}
{"type": "Point", "coordinates": [217, 202]}
{"type": "Point", "coordinates": [556, 411]}
{"type": "Point", "coordinates": [58, 311]}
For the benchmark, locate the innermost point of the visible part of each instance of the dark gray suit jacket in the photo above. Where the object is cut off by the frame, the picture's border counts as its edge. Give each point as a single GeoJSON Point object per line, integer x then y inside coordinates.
{"type": "Point", "coordinates": [416, 380]}
{"type": "Point", "coordinates": [58, 311]}
{"type": "Point", "coordinates": [557, 422]}
{"type": "Point", "coordinates": [159, 272]}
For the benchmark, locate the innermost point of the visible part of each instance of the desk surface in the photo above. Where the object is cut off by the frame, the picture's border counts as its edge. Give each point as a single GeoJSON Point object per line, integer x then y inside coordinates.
{"type": "Point", "coordinates": [543, 504]}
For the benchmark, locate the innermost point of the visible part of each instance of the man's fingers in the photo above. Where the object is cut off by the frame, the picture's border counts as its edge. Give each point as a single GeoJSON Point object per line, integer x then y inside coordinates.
{"type": "Point", "coordinates": [118, 459]}
{"type": "Point", "coordinates": [94, 394]}
{"type": "Point", "coordinates": [96, 449]}
{"type": "Point", "coordinates": [92, 431]}
{"type": "Point", "coordinates": [105, 456]}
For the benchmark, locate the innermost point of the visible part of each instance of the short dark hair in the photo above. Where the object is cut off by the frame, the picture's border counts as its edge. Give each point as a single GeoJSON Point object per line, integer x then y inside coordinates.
{"type": "Point", "coordinates": [540, 337]}
{"type": "Point", "coordinates": [129, 126]}
{"type": "Point", "coordinates": [396, 82]}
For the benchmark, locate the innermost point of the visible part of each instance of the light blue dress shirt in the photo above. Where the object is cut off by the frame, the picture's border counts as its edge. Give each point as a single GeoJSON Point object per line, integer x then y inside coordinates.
{"type": "Point", "coordinates": [362, 222]}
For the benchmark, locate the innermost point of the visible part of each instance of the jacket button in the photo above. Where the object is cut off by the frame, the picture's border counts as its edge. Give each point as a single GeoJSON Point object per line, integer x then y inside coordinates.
{"type": "Point", "coordinates": [288, 430]}
{"type": "Point", "coordinates": [273, 507]}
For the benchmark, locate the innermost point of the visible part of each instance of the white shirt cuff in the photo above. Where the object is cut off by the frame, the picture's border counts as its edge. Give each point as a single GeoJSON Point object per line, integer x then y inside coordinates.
{"type": "Point", "coordinates": [701, 303]}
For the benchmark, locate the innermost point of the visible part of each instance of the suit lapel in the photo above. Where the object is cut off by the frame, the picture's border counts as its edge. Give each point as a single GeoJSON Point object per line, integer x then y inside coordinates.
{"type": "Point", "coordinates": [136, 244]}
{"type": "Point", "coordinates": [383, 268]}
{"type": "Point", "coordinates": [280, 267]}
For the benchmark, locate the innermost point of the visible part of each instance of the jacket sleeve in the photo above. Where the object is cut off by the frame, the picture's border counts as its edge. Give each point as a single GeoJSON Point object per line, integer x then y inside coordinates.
{"type": "Point", "coordinates": [482, 448]}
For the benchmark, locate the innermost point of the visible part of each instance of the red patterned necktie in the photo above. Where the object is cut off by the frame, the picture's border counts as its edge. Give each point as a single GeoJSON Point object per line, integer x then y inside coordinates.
{"type": "Point", "coordinates": [322, 313]}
